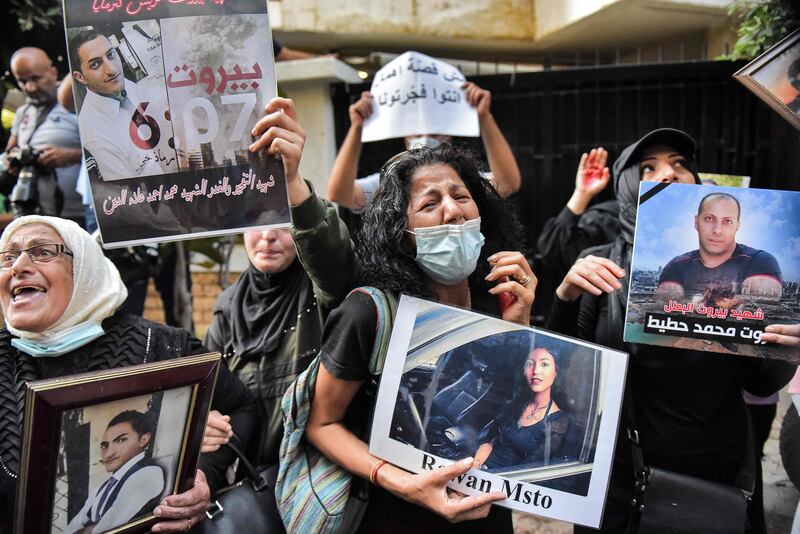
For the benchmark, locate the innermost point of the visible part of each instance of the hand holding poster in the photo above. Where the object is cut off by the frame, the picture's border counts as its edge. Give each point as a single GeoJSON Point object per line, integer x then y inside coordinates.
{"type": "Point", "coordinates": [165, 119]}
{"type": "Point", "coordinates": [417, 94]}
{"type": "Point", "coordinates": [712, 267]}
{"type": "Point", "coordinates": [538, 411]}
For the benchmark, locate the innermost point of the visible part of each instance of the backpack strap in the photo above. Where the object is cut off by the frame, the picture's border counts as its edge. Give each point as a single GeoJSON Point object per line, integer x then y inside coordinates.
{"type": "Point", "coordinates": [386, 306]}
{"type": "Point", "coordinates": [313, 493]}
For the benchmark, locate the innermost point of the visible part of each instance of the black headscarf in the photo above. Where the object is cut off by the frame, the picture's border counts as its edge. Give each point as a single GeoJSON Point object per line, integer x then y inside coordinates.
{"type": "Point", "coordinates": [627, 177]}
{"type": "Point", "coordinates": [264, 306]}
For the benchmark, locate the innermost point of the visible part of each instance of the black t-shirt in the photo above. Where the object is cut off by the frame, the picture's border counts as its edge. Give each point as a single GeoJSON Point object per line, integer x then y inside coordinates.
{"type": "Point", "coordinates": [350, 333]}
{"type": "Point", "coordinates": [726, 279]}
{"type": "Point", "coordinates": [346, 349]}
{"type": "Point", "coordinates": [564, 237]}
{"type": "Point", "coordinates": [348, 338]}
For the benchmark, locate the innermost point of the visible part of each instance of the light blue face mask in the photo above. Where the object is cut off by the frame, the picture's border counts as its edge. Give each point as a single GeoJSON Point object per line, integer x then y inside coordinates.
{"type": "Point", "coordinates": [61, 343]}
{"type": "Point", "coordinates": [423, 140]}
{"type": "Point", "coordinates": [449, 253]}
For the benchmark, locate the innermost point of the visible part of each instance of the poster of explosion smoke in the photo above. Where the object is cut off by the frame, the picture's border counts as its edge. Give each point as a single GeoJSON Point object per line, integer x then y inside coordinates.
{"type": "Point", "coordinates": [166, 93]}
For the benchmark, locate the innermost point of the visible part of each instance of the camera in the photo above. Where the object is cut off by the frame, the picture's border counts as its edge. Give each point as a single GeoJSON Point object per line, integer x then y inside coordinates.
{"type": "Point", "coordinates": [24, 192]}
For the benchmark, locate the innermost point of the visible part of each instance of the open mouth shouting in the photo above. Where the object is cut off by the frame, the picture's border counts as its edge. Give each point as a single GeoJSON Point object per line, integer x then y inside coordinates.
{"type": "Point", "coordinates": [25, 293]}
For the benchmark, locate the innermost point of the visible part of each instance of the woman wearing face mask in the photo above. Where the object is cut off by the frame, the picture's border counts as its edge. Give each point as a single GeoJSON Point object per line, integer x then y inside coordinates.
{"type": "Point", "coordinates": [59, 295]}
{"type": "Point", "coordinates": [352, 193]}
{"type": "Point", "coordinates": [532, 430]}
{"type": "Point", "coordinates": [423, 235]}
{"type": "Point", "coordinates": [688, 405]}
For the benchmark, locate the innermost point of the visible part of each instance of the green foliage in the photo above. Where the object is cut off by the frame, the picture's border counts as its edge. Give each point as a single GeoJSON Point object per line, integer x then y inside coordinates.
{"type": "Point", "coordinates": [36, 14]}
{"type": "Point", "coordinates": [761, 24]}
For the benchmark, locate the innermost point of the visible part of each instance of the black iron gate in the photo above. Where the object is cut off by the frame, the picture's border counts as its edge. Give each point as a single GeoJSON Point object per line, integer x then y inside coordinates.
{"type": "Point", "coordinates": [551, 117]}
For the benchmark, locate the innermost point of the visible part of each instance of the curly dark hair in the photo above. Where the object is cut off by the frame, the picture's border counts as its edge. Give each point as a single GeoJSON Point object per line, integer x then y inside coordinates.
{"type": "Point", "coordinates": [386, 254]}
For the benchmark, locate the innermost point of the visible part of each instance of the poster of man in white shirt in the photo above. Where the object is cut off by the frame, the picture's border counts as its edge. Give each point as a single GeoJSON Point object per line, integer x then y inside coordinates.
{"type": "Point", "coordinates": [135, 483]}
{"type": "Point", "coordinates": [125, 126]}
{"type": "Point", "coordinates": [166, 95]}
{"type": "Point", "coordinates": [118, 460]}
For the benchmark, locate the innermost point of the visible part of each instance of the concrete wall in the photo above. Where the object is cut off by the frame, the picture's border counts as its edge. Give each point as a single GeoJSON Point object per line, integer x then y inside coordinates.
{"type": "Point", "coordinates": [553, 15]}
{"type": "Point", "coordinates": [483, 19]}
{"type": "Point", "coordinates": [502, 30]}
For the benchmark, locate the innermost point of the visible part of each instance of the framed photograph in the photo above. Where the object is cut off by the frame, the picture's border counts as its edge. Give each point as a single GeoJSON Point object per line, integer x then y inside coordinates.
{"type": "Point", "coordinates": [538, 410]}
{"type": "Point", "coordinates": [102, 449]}
{"type": "Point", "coordinates": [712, 267]}
{"type": "Point", "coordinates": [774, 77]}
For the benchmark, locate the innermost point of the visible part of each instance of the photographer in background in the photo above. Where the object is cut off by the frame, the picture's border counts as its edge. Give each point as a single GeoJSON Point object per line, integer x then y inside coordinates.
{"type": "Point", "coordinates": [39, 170]}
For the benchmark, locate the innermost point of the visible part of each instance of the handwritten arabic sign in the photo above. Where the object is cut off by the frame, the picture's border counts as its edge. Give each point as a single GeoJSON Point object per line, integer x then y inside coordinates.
{"type": "Point", "coordinates": [712, 267]}
{"type": "Point", "coordinates": [165, 119]}
{"type": "Point", "coordinates": [417, 94]}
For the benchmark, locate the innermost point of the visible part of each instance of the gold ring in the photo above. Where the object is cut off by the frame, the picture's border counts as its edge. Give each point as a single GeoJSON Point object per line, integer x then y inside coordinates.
{"type": "Point", "coordinates": [524, 281]}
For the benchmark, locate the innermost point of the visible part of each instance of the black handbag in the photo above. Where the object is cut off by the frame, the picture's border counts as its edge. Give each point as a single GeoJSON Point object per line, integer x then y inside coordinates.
{"type": "Point", "coordinates": [247, 506]}
{"type": "Point", "coordinates": [668, 502]}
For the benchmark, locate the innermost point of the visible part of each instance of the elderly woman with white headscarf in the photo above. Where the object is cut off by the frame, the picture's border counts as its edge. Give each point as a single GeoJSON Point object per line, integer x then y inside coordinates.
{"type": "Point", "coordinates": [59, 295]}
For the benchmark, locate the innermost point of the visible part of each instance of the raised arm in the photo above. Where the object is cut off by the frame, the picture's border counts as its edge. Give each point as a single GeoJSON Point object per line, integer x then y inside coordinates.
{"type": "Point", "coordinates": [502, 163]}
{"type": "Point", "coordinates": [591, 178]}
{"type": "Point", "coordinates": [575, 228]}
{"type": "Point", "coordinates": [279, 133]}
{"type": "Point", "coordinates": [342, 186]}
{"type": "Point", "coordinates": [325, 249]}
{"type": "Point", "coordinates": [322, 239]}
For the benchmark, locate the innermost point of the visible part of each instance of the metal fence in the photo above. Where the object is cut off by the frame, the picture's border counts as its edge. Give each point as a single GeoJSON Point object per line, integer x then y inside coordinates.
{"type": "Point", "coordinates": [551, 117]}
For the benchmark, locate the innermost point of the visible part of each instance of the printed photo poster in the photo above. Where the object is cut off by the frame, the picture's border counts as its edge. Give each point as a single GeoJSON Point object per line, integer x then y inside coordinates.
{"type": "Point", "coordinates": [712, 267]}
{"type": "Point", "coordinates": [416, 94]}
{"type": "Point", "coordinates": [166, 93]}
{"type": "Point", "coordinates": [117, 460]}
{"type": "Point", "coordinates": [540, 411]}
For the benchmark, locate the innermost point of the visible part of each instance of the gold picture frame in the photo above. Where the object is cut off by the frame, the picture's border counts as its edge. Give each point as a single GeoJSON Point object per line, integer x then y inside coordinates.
{"type": "Point", "coordinates": [69, 450]}
{"type": "Point", "coordinates": [774, 77]}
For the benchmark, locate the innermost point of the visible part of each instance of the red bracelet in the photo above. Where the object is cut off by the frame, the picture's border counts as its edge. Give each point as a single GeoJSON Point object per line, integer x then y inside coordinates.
{"type": "Point", "coordinates": [373, 474]}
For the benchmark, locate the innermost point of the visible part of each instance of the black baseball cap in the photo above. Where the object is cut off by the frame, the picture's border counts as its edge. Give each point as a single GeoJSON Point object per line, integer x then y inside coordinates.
{"type": "Point", "coordinates": [677, 139]}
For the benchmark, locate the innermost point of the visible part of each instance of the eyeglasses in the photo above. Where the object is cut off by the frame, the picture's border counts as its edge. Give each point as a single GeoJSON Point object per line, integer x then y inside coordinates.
{"type": "Point", "coordinates": [37, 253]}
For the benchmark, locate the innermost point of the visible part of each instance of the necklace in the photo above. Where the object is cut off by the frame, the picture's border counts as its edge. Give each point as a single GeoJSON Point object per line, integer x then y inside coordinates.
{"type": "Point", "coordinates": [469, 299]}
{"type": "Point", "coordinates": [536, 410]}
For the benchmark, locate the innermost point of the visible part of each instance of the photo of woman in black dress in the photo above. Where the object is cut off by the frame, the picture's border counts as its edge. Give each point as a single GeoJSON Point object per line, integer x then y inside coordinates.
{"type": "Point", "coordinates": [532, 430]}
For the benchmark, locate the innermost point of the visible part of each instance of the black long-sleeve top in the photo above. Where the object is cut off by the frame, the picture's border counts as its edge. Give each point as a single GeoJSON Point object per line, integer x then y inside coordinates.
{"type": "Point", "coordinates": [688, 405]}
{"type": "Point", "coordinates": [567, 234]}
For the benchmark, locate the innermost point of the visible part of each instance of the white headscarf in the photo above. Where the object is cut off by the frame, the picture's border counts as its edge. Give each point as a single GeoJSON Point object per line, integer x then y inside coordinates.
{"type": "Point", "coordinates": [97, 289]}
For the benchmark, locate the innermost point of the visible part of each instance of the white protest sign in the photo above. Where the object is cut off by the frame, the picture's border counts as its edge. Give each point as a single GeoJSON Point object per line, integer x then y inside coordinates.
{"type": "Point", "coordinates": [417, 94]}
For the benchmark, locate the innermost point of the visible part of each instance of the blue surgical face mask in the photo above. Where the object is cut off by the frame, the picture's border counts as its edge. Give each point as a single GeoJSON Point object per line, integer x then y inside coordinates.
{"type": "Point", "coordinates": [61, 343]}
{"type": "Point", "coordinates": [423, 140]}
{"type": "Point", "coordinates": [449, 253]}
